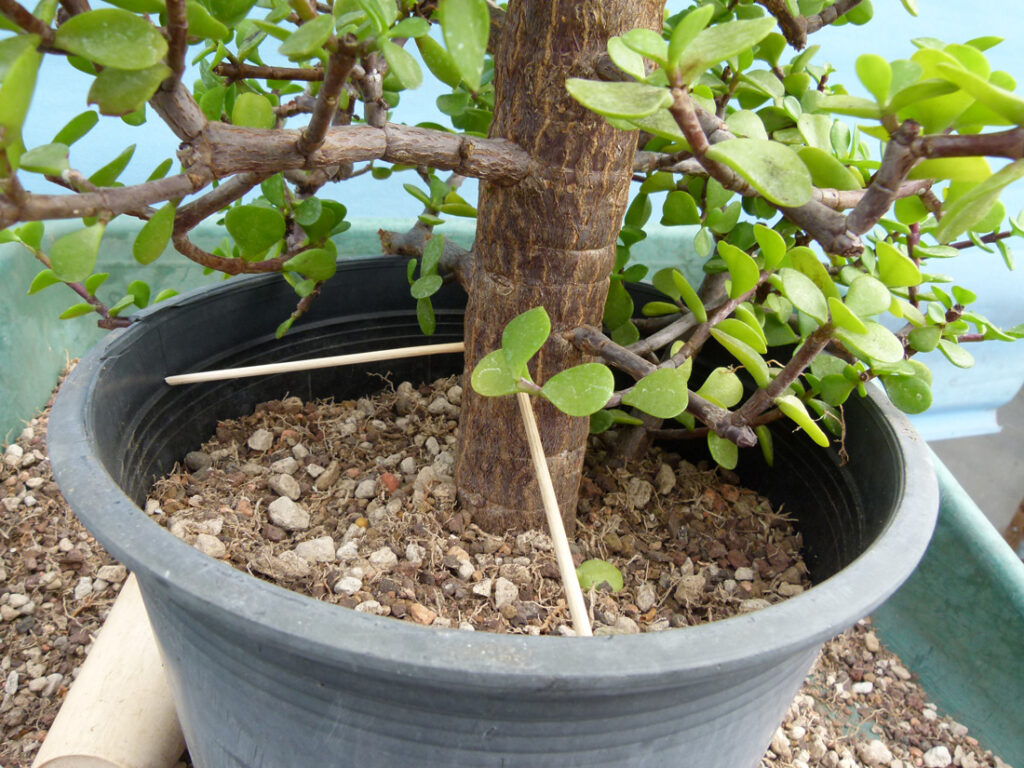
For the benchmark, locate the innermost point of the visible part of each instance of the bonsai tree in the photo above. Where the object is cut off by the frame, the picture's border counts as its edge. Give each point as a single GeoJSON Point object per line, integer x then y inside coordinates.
{"type": "Point", "coordinates": [816, 234]}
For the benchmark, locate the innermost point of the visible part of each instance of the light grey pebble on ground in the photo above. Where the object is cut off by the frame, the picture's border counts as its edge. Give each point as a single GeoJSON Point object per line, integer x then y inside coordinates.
{"type": "Point", "coordinates": [261, 440]}
{"type": "Point", "coordinates": [285, 466]}
{"type": "Point", "coordinates": [874, 753]}
{"type": "Point", "coordinates": [83, 588]}
{"type": "Point", "coordinates": [210, 545]}
{"type": "Point", "coordinates": [287, 514]}
{"type": "Point", "coordinates": [505, 592]}
{"type": "Point", "coordinates": [285, 485]}
{"type": "Point", "coordinates": [407, 465]}
{"type": "Point", "coordinates": [366, 489]}
{"type": "Point", "coordinates": [197, 461]}
{"type": "Point", "coordinates": [318, 550]}
{"type": "Point", "coordinates": [384, 558]}
{"type": "Point", "coordinates": [348, 551]}
{"type": "Point", "coordinates": [938, 757]}
{"type": "Point", "coordinates": [347, 585]}
{"type": "Point", "coordinates": [646, 597]}
{"type": "Point", "coordinates": [114, 574]}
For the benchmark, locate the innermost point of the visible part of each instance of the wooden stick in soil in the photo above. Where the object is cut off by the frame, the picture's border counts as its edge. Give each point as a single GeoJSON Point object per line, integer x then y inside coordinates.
{"type": "Point", "coordinates": [573, 593]}
{"type": "Point", "coordinates": [316, 362]}
{"type": "Point", "coordinates": [119, 712]}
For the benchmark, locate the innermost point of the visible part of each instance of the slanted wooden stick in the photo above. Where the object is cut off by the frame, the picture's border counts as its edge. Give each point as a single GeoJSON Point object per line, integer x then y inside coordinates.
{"type": "Point", "coordinates": [573, 593]}
{"type": "Point", "coordinates": [316, 362]}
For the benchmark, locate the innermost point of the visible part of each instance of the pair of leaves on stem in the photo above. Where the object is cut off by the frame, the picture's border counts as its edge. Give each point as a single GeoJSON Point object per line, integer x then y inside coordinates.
{"type": "Point", "coordinates": [578, 391]}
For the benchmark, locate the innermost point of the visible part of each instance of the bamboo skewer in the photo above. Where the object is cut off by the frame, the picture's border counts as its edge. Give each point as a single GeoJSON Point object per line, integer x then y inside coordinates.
{"type": "Point", "coordinates": [316, 362]}
{"type": "Point", "coordinates": [573, 593]}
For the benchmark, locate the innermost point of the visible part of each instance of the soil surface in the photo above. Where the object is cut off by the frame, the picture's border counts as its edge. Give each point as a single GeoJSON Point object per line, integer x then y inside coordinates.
{"type": "Point", "coordinates": [858, 707]}
{"type": "Point", "coordinates": [353, 503]}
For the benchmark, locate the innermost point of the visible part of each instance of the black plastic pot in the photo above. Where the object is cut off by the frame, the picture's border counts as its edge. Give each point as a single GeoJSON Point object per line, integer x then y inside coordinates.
{"type": "Point", "coordinates": [265, 677]}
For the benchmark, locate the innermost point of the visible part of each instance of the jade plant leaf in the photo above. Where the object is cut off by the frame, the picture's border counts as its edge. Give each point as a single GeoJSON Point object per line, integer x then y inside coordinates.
{"type": "Point", "coordinates": [402, 64]}
{"type": "Point", "coordinates": [315, 263]}
{"type": "Point", "coordinates": [662, 393]}
{"type": "Point", "coordinates": [580, 390]}
{"type": "Point", "coordinates": [970, 208]}
{"type": "Point", "coordinates": [492, 376]}
{"type": "Point", "coordinates": [911, 394]}
{"type": "Point", "coordinates": [523, 337]}
{"type": "Point", "coordinates": [307, 40]}
{"type": "Point", "coordinates": [722, 387]}
{"type": "Point", "coordinates": [253, 110]}
{"type": "Point", "coordinates": [622, 100]}
{"type": "Point", "coordinates": [722, 41]}
{"type": "Point", "coordinates": [895, 268]}
{"type": "Point", "coordinates": [773, 246]}
{"type": "Point", "coordinates": [76, 128]}
{"type": "Point", "coordinates": [51, 159]}
{"type": "Point", "coordinates": [686, 31]}
{"type": "Point", "coordinates": [648, 44]}
{"type": "Point", "coordinates": [804, 294]}
{"type": "Point", "coordinates": [465, 25]}
{"type": "Point", "coordinates": [868, 296]}
{"type": "Point", "coordinates": [594, 573]}
{"type": "Point", "coordinates": [773, 169]}
{"type": "Point", "coordinates": [626, 59]}
{"type": "Point", "coordinates": [725, 452]}
{"type": "Point", "coordinates": [154, 235]}
{"type": "Point", "coordinates": [795, 409]}
{"type": "Point", "coordinates": [120, 91]}
{"type": "Point", "coordinates": [73, 256]}
{"type": "Point", "coordinates": [254, 228]}
{"type": "Point", "coordinates": [743, 271]}
{"type": "Point", "coordinates": [112, 37]}
{"type": "Point", "coordinates": [748, 357]}
{"type": "Point", "coordinates": [878, 344]}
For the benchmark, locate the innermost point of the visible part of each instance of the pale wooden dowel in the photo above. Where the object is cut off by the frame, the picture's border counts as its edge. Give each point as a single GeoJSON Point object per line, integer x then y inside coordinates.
{"type": "Point", "coordinates": [316, 362]}
{"type": "Point", "coordinates": [573, 593]}
{"type": "Point", "coordinates": [119, 712]}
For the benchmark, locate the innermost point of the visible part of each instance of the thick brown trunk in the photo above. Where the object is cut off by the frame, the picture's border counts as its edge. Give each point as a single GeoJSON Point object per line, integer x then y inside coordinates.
{"type": "Point", "coordinates": [548, 240]}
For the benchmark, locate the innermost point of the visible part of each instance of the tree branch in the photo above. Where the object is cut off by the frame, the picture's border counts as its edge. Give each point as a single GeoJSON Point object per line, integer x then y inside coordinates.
{"type": "Point", "coordinates": [21, 16]}
{"type": "Point", "coordinates": [188, 216]}
{"type": "Point", "coordinates": [178, 109]}
{"type": "Point", "coordinates": [177, 36]}
{"type": "Point", "coordinates": [898, 159]}
{"type": "Point", "coordinates": [830, 14]}
{"type": "Point", "coordinates": [234, 72]}
{"type": "Point", "coordinates": [112, 200]}
{"type": "Point", "coordinates": [225, 150]}
{"type": "Point", "coordinates": [339, 65]}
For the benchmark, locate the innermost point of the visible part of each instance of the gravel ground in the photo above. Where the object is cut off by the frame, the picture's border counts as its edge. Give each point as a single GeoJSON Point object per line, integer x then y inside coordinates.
{"type": "Point", "coordinates": [859, 706]}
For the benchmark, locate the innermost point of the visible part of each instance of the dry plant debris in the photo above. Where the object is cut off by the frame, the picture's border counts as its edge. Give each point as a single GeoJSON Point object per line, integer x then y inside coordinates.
{"type": "Point", "coordinates": [858, 707]}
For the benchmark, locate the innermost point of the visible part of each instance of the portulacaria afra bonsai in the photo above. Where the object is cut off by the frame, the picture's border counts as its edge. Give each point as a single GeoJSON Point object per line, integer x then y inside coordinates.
{"type": "Point", "coordinates": [580, 118]}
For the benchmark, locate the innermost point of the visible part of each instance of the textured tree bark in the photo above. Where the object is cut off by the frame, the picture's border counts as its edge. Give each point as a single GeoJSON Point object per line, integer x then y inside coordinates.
{"type": "Point", "coordinates": [548, 240]}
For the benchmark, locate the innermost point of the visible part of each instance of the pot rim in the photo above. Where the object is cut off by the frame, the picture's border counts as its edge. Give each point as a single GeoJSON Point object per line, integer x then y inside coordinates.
{"type": "Point", "coordinates": [295, 623]}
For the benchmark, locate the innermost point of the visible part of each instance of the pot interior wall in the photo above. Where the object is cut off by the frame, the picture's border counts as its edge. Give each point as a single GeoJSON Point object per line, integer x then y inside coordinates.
{"type": "Point", "coordinates": [139, 440]}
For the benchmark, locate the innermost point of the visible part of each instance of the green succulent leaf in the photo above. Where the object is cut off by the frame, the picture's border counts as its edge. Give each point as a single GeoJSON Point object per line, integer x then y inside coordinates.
{"type": "Point", "coordinates": [722, 41]}
{"type": "Point", "coordinates": [743, 272]}
{"type": "Point", "coordinates": [773, 169]}
{"type": "Point", "coordinates": [254, 228]}
{"type": "Point", "coordinates": [43, 279]}
{"type": "Point", "coordinates": [592, 574]}
{"type": "Point", "coordinates": [73, 256]}
{"type": "Point", "coordinates": [307, 40]}
{"type": "Point", "coordinates": [686, 31]}
{"type": "Point", "coordinates": [879, 344]}
{"type": "Point", "coordinates": [626, 59]}
{"type": "Point", "coordinates": [747, 356]}
{"type": "Point", "coordinates": [50, 159]}
{"type": "Point", "coordinates": [794, 408]}
{"type": "Point", "coordinates": [112, 37]}
{"type": "Point", "coordinates": [911, 394]}
{"type": "Point", "coordinates": [523, 337]}
{"type": "Point", "coordinates": [425, 316]}
{"type": "Point", "coordinates": [76, 310]}
{"type": "Point", "coordinates": [618, 100]}
{"type": "Point", "coordinates": [844, 317]}
{"type": "Point", "coordinates": [997, 99]}
{"type": "Point", "coordinates": [773, 246]}
{"type": "Point", "coordinates": [20, 59]}
{"type": "Point", "coordinates": [120, 91]}
{"type": "Point", "coordinates": [493, 377]}
{"type": "Point", "coordinates": [648, 44]}
{"type": "Point", "coordinates": [465, 25]}
{"type": "Point", "coordinates": [876, 75]}
{"type": "Point", "coordinates": [439, 61]}
{"type": "Point", "coordinates": [404, 66]}
{"type": "Point", "coordinates": [736, 328]}
{"type": "Point", "coordinates": [970, 208]}
{"type": "Point", "coordinates": [317, 264]}
{"type": "Point", "coordinates": [895, 268]}
{"type": "Point", "coordinates": [725, 452]}
{"type": "Point", "coordinates": [690, 297]}
{"type": "Point", "coordinates": [804, 294]}
{"type": "Point", "coordinates": [662, 393]}
{"type": "Point", "coordinates": [253, 110]}
{"type": "Point", "coordinates": [154, 235]}
{"type": "Point", "coordinates": [722, 387]}
{"type": "Point", "coordinates": [868, 296]}
{"type": "Point", "coordinates": [76, 128]}
{"type": "Point", "coordinates": [580, 390]}
{"type": "Point", "coordinates": [956, 354]}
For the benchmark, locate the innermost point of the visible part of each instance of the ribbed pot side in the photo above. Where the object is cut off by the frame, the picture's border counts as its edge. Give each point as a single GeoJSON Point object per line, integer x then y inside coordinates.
{"type": "Point", "coordinates": [265, 677]}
